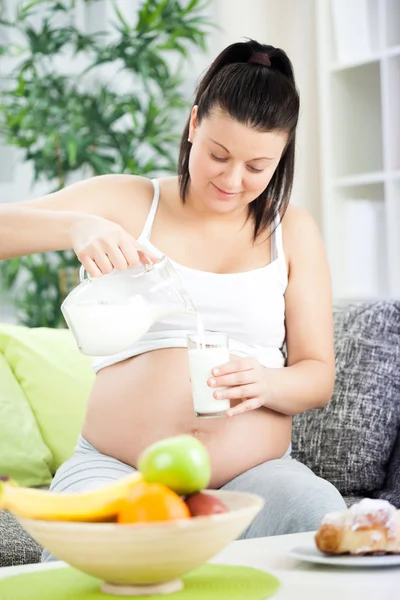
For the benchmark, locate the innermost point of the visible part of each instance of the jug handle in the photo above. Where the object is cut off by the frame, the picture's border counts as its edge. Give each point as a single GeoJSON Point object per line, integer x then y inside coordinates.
{"type": "Point", "coordinates": [149, 264]}
{"type": "Point", "coordinates": [82, 272]}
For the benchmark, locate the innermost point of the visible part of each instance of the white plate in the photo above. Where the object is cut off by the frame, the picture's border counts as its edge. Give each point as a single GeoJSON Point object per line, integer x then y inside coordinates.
{"type": "Point", "coordinates": [313, 555]}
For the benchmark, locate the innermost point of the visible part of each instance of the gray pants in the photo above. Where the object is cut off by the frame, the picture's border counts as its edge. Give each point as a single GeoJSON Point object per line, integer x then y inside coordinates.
{"type": "Point", "coordinates": [295, 498]}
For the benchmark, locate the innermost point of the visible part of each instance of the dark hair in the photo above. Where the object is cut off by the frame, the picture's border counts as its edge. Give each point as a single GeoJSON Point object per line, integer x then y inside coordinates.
{"type": "Point", "coordinates": [260, 96]}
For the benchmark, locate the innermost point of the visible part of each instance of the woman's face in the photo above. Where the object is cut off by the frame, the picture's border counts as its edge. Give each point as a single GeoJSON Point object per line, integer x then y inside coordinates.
{"type": "Point", "coordinates": [230, 164]}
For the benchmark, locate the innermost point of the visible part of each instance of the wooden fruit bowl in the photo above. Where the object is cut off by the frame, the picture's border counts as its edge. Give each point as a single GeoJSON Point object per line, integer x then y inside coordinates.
{"type": "Point", "coordinates": [146, 558]}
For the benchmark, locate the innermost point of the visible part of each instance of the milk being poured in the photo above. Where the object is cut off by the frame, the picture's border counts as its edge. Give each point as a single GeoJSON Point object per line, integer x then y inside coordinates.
{"type": "Point", "coordinates": [103, 329]}
{"type": "Point", "coordinates": [108, 314]}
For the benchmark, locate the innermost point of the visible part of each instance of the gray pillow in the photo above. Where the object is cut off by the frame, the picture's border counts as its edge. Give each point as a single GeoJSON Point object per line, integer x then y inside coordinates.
{"type": "Point", "coordinates": [349, 442]}
{"type": "Point", "coordinates": [391, 488]}
{"type": "Point", "coordinates": [17, 547]}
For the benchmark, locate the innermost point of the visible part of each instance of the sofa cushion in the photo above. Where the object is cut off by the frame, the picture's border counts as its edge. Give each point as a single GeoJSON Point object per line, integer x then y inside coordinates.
{"type": "Point", "coordinates": [55, 379]}
{"type": "Point", "coordinates": [17, 547]}
{"type": "Point", "coordinates": [23, 454]}
{"type": "Point", "coordinates": [349, 442]}
{"type": "Point", "coordinates": [391, 487]}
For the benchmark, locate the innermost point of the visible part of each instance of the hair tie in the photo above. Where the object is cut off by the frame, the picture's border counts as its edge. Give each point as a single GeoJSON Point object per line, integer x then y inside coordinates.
{"type": "Point", "coordinates": [260, 58]}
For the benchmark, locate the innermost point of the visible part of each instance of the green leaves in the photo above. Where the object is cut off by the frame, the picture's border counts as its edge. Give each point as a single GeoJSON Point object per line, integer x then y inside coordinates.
{"type": "Point", "coordinates": [66, 124]}
{"type": "Point", "coordinates": [37, 286]}
{"type": "Point", "coordinates": [28, 9]}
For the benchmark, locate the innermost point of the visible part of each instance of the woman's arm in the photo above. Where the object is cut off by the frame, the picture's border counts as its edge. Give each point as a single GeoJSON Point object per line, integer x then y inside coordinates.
{"type": "Point", "coordinates": [88, 216]}
{"type": "Point", "coordinates": [307, 380]}
{"type": "Point", "coordinates": [26, 230]}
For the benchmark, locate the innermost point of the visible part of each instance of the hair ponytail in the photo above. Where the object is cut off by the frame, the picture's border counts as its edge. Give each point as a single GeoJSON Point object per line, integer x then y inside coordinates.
{"type": "Point", "coordinates": [236, 53]}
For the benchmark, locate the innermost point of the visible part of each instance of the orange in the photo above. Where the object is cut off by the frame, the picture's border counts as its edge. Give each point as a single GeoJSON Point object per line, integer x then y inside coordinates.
{"type": "Point", "coordinates": [149, 502]}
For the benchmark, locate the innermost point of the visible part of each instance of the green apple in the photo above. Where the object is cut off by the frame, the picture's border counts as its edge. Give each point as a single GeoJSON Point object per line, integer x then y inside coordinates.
{"type": "Point", "coordinates": [181, 463]}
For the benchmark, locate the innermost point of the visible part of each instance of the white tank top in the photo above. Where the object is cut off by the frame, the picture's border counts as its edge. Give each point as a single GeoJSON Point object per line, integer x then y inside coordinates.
{"type": "Point", "coordinates": [249, 306]}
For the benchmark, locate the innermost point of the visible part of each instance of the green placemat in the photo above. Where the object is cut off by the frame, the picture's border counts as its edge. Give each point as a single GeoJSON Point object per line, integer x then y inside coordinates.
{"type": "Point", "coordinates": [210, 582]}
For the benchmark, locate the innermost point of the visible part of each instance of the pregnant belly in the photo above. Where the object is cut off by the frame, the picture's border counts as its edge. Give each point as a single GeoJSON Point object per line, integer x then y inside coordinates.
{"type": "Point", "coordinates": [146, 398]}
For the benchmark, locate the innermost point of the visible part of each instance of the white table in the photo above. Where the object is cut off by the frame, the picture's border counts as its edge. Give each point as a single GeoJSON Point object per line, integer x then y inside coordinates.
{"type": "Point", "coordinates": [299, 580]}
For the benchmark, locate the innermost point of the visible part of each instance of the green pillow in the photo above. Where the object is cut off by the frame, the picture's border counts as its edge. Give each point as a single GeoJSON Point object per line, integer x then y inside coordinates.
{"type": "Point", "coordinates": [56, 380]}
{"type": "Point", "coordinates": [23, 454]}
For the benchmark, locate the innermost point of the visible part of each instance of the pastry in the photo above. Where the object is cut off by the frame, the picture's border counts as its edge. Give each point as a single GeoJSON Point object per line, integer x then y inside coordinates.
{"type": "Point", "coordinates": [369, 527]}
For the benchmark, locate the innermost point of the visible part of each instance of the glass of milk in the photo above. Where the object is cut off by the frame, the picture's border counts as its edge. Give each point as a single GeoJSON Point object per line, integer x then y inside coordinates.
{"type": "Point", "coordinates": [206, 351]}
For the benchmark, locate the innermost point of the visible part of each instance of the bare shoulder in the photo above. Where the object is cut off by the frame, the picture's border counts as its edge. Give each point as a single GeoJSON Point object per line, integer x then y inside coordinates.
{"type": "Point", "coordinates": [125, 199]}
{"type": "Point", "coordinates": [122, 182]}
{"type": "Point", "coordinates": [296, 221]}
{"type": "Point", "coordinates": [301, 234]}
{"type": "Point", "coordinates": [120, 195]}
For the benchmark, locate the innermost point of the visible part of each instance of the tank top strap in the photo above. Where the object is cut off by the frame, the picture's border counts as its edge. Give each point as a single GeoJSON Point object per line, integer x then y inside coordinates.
{"type": "Point", "coordinates": [274, 252]}
{"type": "Point", "coordinates": [277, 248]}
{"type": "Point", "coordinates": [148, 226]}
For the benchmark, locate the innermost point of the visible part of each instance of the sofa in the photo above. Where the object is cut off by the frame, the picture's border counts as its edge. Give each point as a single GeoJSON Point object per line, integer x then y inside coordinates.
{"type": "Point", "coordinates": [353, 442]}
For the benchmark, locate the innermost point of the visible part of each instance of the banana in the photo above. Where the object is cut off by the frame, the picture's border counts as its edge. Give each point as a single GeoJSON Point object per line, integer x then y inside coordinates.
{"type": "Point", "coordinates": [100, 504]}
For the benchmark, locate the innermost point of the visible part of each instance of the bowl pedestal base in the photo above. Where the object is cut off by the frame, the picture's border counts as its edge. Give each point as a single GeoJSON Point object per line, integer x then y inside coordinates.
{"type": "Point", "coordinates": [167, 587]}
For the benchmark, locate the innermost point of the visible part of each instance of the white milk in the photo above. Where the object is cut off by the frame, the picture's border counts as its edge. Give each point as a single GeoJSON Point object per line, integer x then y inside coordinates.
{"type": "Point", "coordinates": [201, 362]}
{"type": "Point", "coordinates": [103, 329]}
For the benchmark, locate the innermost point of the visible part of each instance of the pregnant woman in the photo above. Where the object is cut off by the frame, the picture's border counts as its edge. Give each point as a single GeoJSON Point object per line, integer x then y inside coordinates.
{"type": "Point", "coordinates": [255, 268]}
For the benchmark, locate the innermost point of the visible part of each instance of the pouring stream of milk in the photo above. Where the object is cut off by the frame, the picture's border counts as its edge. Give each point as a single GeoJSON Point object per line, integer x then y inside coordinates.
{"type": "Point", "coordinates": [103, 329]}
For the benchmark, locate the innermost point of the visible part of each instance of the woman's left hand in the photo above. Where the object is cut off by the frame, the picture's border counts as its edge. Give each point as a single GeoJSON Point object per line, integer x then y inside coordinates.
{"type": "Point", "coordinates": [245, 379]}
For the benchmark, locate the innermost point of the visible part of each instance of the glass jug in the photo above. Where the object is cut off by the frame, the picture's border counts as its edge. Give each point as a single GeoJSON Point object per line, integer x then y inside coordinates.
{"type": "Point", "coordinates": [108, 314]}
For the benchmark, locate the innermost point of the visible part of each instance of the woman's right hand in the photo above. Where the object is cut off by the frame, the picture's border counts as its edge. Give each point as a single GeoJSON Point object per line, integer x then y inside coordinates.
{"type": "Point", "coordinates": [102, 245]}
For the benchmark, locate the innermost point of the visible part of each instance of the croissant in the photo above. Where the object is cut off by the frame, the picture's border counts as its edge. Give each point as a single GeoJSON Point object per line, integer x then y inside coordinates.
{"type": "Point", "coordinates": [368, 527]}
